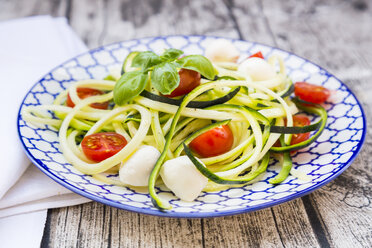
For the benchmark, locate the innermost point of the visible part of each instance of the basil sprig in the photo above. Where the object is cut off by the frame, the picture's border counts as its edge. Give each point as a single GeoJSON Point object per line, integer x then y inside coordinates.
{"type": "Point", "coordinates": [171, 54]}
{"type": "Point", "coordinates": [198, 63]}
{"type": "Point", "coordinates": [129, 85]}
{"type": "Point", "coordinates": [146, 60]}
{"type": "Point", "coordinates": [163, 73]}
{"type": "Point", "coordinates": [165, 77]}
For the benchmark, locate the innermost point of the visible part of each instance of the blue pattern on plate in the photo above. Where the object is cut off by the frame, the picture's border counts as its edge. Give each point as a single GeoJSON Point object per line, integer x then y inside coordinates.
{"type": "Point", "coordinates": [328, 157]}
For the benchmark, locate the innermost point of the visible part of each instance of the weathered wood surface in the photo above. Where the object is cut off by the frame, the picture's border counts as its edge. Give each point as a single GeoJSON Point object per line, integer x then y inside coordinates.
{"type": "Point", "coordinates": [334, 34]}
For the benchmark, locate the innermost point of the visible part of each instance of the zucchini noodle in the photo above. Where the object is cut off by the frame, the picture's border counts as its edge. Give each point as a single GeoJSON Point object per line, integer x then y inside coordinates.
{"type": "Point", "coordinates": [253, 110]}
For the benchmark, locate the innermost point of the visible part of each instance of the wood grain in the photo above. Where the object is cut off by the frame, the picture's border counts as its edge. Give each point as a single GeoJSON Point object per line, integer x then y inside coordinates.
{"type": "Point", "coordinates": [334, 34]}
{"type": "Point", "coordinates": [10, 9]}
{"type": "Point", "coordinates": [101, 22]}
{"type": "Point", "coordinates": [343, 206]}
{"type": "Point", "coordinates": [257, 229]}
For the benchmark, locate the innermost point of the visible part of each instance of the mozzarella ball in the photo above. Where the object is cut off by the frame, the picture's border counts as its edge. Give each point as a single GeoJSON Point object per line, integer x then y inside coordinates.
{"type": "Point", "coordinates": [258, 69]}
{"type": "Point", "coordinates": [137, 169]}
{"type": "Point", "coordinates": [222, 51]}
{"type": "Point", "coordinates": [182, 178]}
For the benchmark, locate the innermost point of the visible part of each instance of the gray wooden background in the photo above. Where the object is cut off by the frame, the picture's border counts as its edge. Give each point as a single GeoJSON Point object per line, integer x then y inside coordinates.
{"type": "Point", "coordinates": [336, 34]}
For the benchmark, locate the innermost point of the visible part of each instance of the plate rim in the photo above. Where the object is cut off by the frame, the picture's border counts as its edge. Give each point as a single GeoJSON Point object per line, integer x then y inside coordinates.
{"type": "Point", "coordinates": [159, 213]}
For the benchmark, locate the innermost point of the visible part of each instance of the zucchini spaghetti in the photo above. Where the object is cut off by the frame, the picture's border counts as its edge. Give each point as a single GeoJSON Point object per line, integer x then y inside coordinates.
{"type": "Point", "coordinates": [188, 122]}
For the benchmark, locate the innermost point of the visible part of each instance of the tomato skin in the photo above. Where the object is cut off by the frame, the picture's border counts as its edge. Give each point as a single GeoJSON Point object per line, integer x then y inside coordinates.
{"type": "Point", "coordinates": [213, 142]}
{"type": "Point", "coordinates": [87, 92]}
{"type": "Point", "coordinates": [311, 93]}
{"type": "Point", "coordinates": [257, 55]}
{"type": "Point", "coordinates": [300, 121]}
{"type": "Point", "coordinates": [100, 146]}
{"type": "Point", "coordinates": [189, 80]}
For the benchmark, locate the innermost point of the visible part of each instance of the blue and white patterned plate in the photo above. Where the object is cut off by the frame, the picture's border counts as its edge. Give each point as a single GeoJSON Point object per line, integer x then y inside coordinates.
{"type": "Point", "coordinates": [327, 158]}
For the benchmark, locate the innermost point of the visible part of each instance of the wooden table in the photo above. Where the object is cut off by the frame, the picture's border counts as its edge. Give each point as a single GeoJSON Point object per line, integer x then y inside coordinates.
{"type": "Point", "coordinates": [334, 34]}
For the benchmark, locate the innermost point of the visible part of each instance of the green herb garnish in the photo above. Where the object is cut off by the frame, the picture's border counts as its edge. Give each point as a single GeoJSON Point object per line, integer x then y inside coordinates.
{"type": "Point", "coordinates": [163, 71]}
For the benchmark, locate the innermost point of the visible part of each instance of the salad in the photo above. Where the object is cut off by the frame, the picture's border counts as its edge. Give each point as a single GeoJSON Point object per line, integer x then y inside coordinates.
{"type": "Point", "coordinates": [193, 123]}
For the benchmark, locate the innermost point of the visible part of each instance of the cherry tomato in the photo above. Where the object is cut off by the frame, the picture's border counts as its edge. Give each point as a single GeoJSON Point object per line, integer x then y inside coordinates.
{"type": "Point", "coordinates": [189, 80]}
{"type": "Point", "coordinates": [311, 93]}
{"type": "Point", "coordinates": [87, 92]}
{"type": "Point", "coordinates": [257, 55]}
{"type": "Point", "coordinates": [213, 142]}
{"type": "Point", "coordinates": [99, 146]}
{"type": "Point", "coordinates": [300, 121]}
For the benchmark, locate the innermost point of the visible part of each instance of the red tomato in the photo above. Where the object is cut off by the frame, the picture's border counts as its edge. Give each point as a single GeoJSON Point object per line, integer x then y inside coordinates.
{"type": "Point", "coordinates": [311, 93]}
{"type": "Point", "coordinates": [300, 121]}
{"type": "Point", "coordinates": [99, 146]}
{"type": "Point", "coordinates": [189, 80]}
{"type": "Point", "coordinates": [213, 142]}
{"type": "Point", "coordinates": [87, 92]}
{"type": "Point", "coordinates": [257, 55]}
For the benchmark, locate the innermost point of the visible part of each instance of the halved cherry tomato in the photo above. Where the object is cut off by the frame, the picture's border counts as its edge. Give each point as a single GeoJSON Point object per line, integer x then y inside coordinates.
{"type": "Point", "coordinates": [99, 146]}
{"type": "Point", "coordinates": [213, 142]}
{"type": "Point", "coordinates": [257, 55]}
{"type": "Point", "coordinates": [300, 121]}
{"type": "Point", "coordinates": [189, 80]}
{"type": "Point", "coordinates": [87, 92]}
{"type": "Point", "coordinates": [311, 93]}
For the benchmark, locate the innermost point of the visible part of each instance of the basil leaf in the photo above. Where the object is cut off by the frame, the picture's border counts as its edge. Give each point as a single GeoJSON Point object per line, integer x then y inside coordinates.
{"type": "Point", "coordinates": [146, 60]}
{"type": "Point", "coordinates": [129, 85]}
{"type": "Point", "coordinates": [198, 63]}
{"type": "Point", "coordinates": [171, 54]}
{"type": "Point", "coordinates": [165, 78]}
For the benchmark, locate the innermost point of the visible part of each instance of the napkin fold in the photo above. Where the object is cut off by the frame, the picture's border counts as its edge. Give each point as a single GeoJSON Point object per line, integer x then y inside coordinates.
{"type": "Point", "coordinates": [35, 191]}
{"type": "Point", "coordinates": [29, 48]}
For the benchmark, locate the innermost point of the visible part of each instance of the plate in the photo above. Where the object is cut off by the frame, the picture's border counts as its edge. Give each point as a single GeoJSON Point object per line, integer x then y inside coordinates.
{"type": "Point", "coordinates": [327, 158]}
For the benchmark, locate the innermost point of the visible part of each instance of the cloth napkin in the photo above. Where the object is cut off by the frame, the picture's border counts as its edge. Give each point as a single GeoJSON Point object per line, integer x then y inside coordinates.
{"type": "Point", "coordinates": [29, 48]}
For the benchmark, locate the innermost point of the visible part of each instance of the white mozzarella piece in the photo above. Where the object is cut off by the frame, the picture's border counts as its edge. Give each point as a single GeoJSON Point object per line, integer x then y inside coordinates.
{"type": "Point", "coordinates": [182, 178]}
{"type": "Point", "coordinates": [137, 169]}
{"type": "Point", "coordinates": [222, 50]}
{"type": "Point", "coordinates": [258, 69]}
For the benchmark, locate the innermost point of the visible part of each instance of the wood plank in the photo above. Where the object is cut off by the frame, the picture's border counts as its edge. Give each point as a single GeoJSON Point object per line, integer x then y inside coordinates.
{"type": "Point", "coordinates": [256, 229]}
{"type": "Point", "coordinates": [88, 19]}
{"type": "Point", "coordinates": [136, 230]}
{"type": "Point", "coordinates": [102, 22]}
{"type": "Point", "coordinates": [64, 225]}
{"type": "Point", "coordinates": [294, 225]}
{"type": "Point", "coordinates": [326, 33]}
{"type": "Point", "coordinates": [96, 225]}
{"type": "Point", "coordinates": [21, 8]}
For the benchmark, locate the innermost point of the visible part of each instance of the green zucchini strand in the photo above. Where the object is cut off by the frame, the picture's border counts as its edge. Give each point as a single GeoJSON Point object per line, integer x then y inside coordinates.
{"type": "Point", "coordinates": [310, 108]}
{"type": "Point", "coordinates": [192, 104]}
{"type": "Point", "coordinates": [220, 180]}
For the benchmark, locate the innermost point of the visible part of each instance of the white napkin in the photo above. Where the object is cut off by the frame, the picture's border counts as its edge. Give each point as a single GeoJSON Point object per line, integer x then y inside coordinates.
{"type": "Point", "coordinates": [29, 48]}
{"type": "Point", "coordinates": [24, 230]}
{"type": "Point", "coordinates": [35, 191]}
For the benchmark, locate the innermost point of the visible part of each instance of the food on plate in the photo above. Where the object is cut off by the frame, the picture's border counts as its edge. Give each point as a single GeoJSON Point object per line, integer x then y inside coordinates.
{"type": "Point", "coordinates": [187, 122]}
{"type": "Point", "coordinates": [311, 93]}
{"type": "Point", "coordinates": [180, 175]}
{"type": "Point", "coordinates": [136, 170]}
{"type": "Point", "coordinates": [100, 146]}
{"type": "Point", "coordinates": [222, 50]}
{"type": "Point", "coordinates": [258, 69]}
